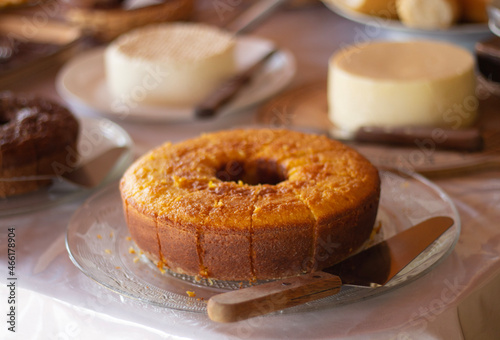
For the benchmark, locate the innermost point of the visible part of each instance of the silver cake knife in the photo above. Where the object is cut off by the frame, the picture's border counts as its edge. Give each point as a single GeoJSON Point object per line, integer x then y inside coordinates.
{"type": "Point", "coordinates": [371, 268]}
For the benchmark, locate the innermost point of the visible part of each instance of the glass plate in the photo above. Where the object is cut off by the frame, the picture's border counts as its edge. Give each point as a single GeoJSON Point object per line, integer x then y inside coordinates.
{"type": "Point", "coordinates": [99, 245]}
{"type": "Point", "coordinates": [96, 136]}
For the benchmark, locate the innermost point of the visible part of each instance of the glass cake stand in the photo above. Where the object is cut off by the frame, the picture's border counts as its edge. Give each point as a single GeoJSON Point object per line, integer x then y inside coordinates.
{"type": "Point", "coordinates": [99, 245]}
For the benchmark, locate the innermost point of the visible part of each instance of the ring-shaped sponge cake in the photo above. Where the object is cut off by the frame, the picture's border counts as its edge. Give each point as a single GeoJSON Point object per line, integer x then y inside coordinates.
{"type": "Point", "coordinates": [250, 204]}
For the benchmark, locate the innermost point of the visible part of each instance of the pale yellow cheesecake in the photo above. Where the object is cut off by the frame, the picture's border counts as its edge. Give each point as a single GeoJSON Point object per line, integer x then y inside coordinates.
{"type": "Point", "coordinates": [420, 83]}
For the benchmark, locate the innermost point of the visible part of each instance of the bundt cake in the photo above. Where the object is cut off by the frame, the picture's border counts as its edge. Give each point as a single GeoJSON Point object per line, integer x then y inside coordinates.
{"type": "Point", "coordinates": [250, 204]}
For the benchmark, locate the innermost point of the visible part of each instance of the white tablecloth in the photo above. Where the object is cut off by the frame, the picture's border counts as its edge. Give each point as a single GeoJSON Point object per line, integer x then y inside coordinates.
{"type": "Point", "coordinates": [457, 300]}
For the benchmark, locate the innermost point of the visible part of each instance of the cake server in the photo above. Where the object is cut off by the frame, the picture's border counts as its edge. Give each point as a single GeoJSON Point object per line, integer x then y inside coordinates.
{"type": "Point", "coordinates": [253, 15]}
{"type": "Point", "coordinates": [87, 175]}
{"type": "Point", "coordinates": [371, 268]}
{"type": "Point", "coordinates": [466, 139]}
{"type": "Point", "coordinates": [223, 94]}
{"type": "Point", "coordinates": [93, 172]}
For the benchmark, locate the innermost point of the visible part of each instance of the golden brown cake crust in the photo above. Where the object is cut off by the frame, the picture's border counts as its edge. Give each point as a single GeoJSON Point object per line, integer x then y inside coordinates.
{"type": "Point", "coordinates": [251, 204]}
{"type": "Point", "coordinates": [35, 134]}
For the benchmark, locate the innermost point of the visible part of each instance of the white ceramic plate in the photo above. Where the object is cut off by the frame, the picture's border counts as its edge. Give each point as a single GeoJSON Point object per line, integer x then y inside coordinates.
{"type": "Point", "coordinates": [82, 83]}
{"type": "Point", "coordinates": [98, 243]}
{"type": "Point", "coordinates": [96, 136]}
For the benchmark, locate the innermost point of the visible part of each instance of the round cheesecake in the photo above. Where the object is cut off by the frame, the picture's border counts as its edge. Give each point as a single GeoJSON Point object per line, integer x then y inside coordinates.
{"type": "Point", "coordinates": [250, 204]}
{"type": "Point", "coordinates": [419, 83]}
{"type": "Point", "coordinates": [173, 64]}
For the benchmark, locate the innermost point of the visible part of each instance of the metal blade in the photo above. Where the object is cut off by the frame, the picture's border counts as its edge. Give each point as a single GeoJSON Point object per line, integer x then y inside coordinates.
{"type": "Point", "coordinates": [378, 264]}
{"type": "Point", "coordinates": [372, 267]}
{"type": "Point", "coordinates": [467, 139]}
{"type": "Point", "coordinates": [87, 175]}
{"type": "Point", "coordinates": [94, 171]}
{"type": "Point", "coordinates": [253, 15]}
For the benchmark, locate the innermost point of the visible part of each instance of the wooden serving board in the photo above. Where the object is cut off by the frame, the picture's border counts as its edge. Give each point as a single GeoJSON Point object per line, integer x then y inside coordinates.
{"type": "Point", "coordinates": [41, 46]}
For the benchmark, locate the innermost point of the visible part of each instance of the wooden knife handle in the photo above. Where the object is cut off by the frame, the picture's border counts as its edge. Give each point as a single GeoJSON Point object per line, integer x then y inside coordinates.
{"type": "Point", "coordinates": [209, 107]}
{"type": "Point", "coordinates": [273, 296]}
{"type": "Point", "coordinates": [425, 137]}
{"type": "Point", "coordinates": [229, 89]}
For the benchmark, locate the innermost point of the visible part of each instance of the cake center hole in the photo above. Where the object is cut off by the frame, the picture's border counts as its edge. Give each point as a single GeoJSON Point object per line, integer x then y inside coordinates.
{"type": "Point", "coordinates": [256, 172]}
{"type": "Point", "coordinates": [4, 118]}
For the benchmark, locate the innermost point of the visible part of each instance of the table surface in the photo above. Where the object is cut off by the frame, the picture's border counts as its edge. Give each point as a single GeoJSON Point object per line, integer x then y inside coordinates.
{"type": "Point", "coordinates": [457, 300]}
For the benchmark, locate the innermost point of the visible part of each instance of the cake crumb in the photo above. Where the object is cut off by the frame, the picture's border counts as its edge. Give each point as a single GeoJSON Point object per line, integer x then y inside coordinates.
{"type": "Point", "coordinates": [136, 259]}
{"type": "Point", "coordinates": [204, 273]}
{"type": "Point", "coordinates": [107, 251]}
{"type": "Point", "coordinates": [179, 181]}
{"type": "Point", "coordinates": [99, 236]}
{"type": "Point", "coordinates": [128, 238]}
{"type": "Point", "coordinates": [111, 235]}
{"type": "Point", "coordinates": [131, 250]}
{"type": "Point", "coordinates": [376, 229]}
{"type": "Point", "coordinates": [190, 293]}
{"type": "Point", "coordinates": [160, 267]}
{"type": "Point", "coordinates": [118, 267]}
